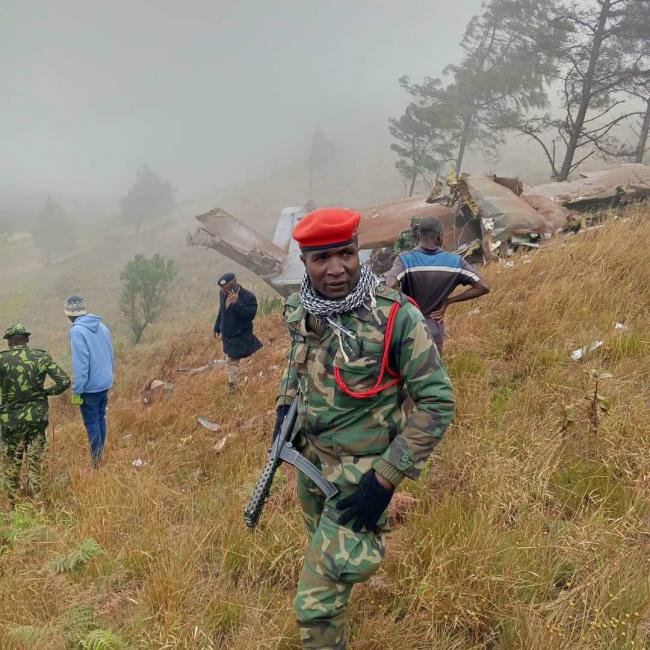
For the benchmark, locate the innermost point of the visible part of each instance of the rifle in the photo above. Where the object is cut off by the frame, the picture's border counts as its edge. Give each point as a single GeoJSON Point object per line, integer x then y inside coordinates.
{"type": "Point", "coordinates": [283, 450]}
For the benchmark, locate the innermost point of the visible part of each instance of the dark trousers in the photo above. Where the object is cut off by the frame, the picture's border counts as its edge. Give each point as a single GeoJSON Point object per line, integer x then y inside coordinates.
{"type": "Point", "coordinates": [93, 412]}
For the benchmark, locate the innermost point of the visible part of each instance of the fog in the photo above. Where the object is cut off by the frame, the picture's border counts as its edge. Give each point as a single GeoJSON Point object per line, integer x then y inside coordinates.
{"type": "Point", "coordinates": [208, 93]}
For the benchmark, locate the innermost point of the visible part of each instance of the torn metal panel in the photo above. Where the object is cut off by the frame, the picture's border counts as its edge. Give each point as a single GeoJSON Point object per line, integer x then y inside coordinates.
{"type": "Point", "coordinates": [240, 243]}
{"type": "Point", "coordinates": [556, 216]}
{"type": "Point", "coordinates": [603, 188]}
{"type": "Point", "coordinates": [515, 185]}
{"type": "Point", "coordinates": [503, 214]}
{"type": "Point", "coordinates": [380, 225]}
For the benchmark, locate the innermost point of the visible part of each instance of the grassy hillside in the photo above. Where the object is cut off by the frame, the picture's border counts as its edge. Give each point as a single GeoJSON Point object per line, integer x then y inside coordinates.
{"type": "Point", "coordinates": [531, 527]}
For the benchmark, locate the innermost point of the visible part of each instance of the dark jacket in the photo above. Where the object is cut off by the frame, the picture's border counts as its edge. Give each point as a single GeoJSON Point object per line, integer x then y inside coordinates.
{"type": "Point", "coordinates": [235, 325]}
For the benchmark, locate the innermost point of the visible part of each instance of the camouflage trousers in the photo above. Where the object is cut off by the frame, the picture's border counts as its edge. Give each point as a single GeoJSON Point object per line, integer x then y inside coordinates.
{"type": "Point", "coordinates": [25, 439]}
{"type": "Point", "coordinates": [336, 559]}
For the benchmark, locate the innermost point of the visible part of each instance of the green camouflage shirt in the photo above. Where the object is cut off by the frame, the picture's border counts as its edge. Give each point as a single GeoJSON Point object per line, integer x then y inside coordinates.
{"type": "Point", "coordinates": [342, 429]}
{"type": "Point", "coordinates": [23, 398]}
{"type": "Point", "coordinates": [406, 241]}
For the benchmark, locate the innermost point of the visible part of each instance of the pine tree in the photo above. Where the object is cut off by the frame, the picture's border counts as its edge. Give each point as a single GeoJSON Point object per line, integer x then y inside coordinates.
{"type": "Point", "coordinates": [151, 197]}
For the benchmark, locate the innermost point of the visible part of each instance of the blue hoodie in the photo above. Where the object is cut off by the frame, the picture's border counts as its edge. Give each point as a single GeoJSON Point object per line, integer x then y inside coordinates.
{"type": "Point", "coordinates": [92, 355]}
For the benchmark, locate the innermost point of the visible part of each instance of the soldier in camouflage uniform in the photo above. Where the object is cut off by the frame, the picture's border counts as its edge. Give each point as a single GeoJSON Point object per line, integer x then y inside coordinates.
{"type": "Point", "coordinates": [350, 421]}
{"type": "Point", "coordinates": [24, 408]}
{"type": "Point", "coordinates": [407, 240]}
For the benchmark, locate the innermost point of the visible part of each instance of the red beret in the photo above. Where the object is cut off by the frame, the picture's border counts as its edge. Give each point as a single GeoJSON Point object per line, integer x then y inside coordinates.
{"type": "Point", "coordinates": [327, 228]}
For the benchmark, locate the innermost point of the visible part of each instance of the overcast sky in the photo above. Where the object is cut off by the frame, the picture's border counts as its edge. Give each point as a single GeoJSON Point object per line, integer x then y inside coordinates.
{"type": "Point", "coordinates": [208, 92]}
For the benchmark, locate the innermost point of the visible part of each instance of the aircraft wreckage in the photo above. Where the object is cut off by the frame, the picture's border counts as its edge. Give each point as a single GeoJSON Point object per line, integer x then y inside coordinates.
{"type": "Point", "coordinates": [484, 217]}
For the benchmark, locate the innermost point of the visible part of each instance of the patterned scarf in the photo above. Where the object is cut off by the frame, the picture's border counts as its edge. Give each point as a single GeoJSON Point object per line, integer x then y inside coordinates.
{"type": "Point", "coordinates": [331, 310]}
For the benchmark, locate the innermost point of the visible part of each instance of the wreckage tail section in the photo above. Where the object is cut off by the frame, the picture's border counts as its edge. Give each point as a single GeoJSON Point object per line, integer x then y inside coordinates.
{"type": "Point", "coordinates": [237, 241]}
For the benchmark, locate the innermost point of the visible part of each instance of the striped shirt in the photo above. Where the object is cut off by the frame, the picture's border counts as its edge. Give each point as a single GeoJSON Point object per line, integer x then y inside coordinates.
{"type": "Point", "coordinates": [429, 276]}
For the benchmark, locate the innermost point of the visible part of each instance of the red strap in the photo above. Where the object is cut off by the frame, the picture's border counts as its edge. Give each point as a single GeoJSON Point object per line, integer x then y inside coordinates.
{"type": "Point", "coordinates": [385, 368]}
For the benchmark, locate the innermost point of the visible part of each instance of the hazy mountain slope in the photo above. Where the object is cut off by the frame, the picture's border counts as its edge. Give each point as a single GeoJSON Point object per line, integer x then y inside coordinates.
{"type": "Point", "coordinates": [526, 534]}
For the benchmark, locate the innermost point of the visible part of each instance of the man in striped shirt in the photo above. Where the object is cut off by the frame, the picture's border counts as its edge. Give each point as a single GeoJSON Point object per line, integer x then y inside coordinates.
{"type": "Point", "coordinates": [429, 275]}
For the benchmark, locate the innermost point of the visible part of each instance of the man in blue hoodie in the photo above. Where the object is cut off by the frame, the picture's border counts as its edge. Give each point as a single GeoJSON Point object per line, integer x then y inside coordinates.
{"type": "Point", "coordinates": [92, 363]}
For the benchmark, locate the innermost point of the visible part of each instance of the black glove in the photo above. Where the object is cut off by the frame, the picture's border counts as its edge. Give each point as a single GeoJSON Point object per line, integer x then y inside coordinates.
{"type": "Point", "coordinates": [366, 505]}
{"type": "Point", "coordinates": [280, 414]}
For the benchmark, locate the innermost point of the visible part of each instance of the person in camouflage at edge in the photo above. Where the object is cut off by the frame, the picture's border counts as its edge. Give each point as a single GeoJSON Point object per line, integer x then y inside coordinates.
{"type": "Point", "coordinates": [408, 239]}
{"type": "Point", "coordinates": [24, 408]}
{"type": "Point", "coordinates": [362, 441]}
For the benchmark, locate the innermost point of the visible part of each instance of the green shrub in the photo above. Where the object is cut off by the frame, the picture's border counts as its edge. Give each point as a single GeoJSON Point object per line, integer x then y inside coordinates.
{"type": "Point", "coordinates": [146, 282]}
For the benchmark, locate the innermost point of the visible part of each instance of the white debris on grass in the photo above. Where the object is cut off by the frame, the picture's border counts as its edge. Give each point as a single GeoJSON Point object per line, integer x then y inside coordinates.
{"type": "Point", "coordinates": [218, 447]}
{"type": "Point", "coordinates": [208, 424]}
{"type": "Point", "coordinates": [139, 462]}
{"type": "Point", "coordinates": [582, 352]}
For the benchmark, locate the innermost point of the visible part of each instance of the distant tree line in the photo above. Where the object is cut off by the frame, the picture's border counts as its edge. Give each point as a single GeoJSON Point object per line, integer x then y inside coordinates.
{"type": "Point", "coordinates": [595, 55]}
{"type": "Point", "coordinates": [55, 231]}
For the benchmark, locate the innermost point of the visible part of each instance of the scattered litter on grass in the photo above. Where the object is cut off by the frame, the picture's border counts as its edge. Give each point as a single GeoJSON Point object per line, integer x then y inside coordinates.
{"type": "Point", "coordinates": [509, 264]}
{"type": "Point", "coordinates": [156, 388]}
{"type": "Point", "coordinates": [215, 363]}
{"type": "Point", "coordinates": [139, 462]}
{"type": "Point", "coordinates": [580, 353]}
{"type": "Point", "coordinates": [218, 447]}
{"type": "Point", "coordinates": [620, 326]}
{"type": "Point", "coordinates": [208, 424]}
{"type": "Point", "coordinates": [474, 312]}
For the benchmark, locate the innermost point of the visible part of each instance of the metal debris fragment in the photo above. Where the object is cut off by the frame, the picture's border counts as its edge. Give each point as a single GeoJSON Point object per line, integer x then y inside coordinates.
{"type": "Point", "coordinates": [218, 447]}
{"type": "Point", "coordinates": [582, 352]}
{"type": "Point", "coordinates": [211, 365]}
{"type": "Point", "coordinates": [208, 424]}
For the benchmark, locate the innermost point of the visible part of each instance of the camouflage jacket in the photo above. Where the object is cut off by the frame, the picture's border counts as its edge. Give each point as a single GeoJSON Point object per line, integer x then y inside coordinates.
{"type": "Point", "coordinates": [344, 430]}
{"type": "Point", "coordinates": [405, 241]}
{"type": "Point", "coordinates": [23, 397]}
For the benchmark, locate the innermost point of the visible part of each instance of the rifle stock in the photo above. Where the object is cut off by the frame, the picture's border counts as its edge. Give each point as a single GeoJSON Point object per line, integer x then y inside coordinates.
{"type": "Point", "coordinates": [282, 450]}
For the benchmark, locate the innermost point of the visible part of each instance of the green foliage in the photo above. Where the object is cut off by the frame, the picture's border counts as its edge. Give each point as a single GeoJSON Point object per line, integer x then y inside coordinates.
{"type": "Point", "coordinates": [21, 526]}
{"type": "Point", "coordinates": [66, 630]}
{"type": "Point", "coordinates": [76, 559]}
{"type": "Point", "coordinates": [465, 363]}
{"type": "Point", "coordinates": [604, 60]}
{"type": "Point", "coordinates": [629, 346]}
{"type": "Point", "coordinates": [151, 197]}
{"type": "Point", "coordinates": [101, 640]}
{"type": "Point", "coordinates": [588, 486]}
{"type": "Point", "coordinates": [423, 133]}
{"type": "Point", "coordinates": [54, 231]}
{"type": "Point", "coordinates": [31, 636]}
{"type": "Point", "coordinates": [499, 401]}
{"type": "Point", "coordinates": [146, 282]}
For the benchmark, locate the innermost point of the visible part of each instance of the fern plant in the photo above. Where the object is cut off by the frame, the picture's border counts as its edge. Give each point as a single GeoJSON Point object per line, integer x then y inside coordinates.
{"type": "Point", "coordinates": [30, 636]}
{"type": "Point", "coordinates": [101, 640]}
{"type": "Point", "coordinates": [76, 559]}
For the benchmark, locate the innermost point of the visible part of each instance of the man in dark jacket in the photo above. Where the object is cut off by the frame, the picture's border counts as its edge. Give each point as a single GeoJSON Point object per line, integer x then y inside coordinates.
{"type": "Point", "coordinates": [234, 325]}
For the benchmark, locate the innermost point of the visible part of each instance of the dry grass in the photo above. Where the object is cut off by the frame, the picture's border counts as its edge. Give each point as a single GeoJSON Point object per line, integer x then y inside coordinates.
{"type": "Point", "coordinates": [526, 533]}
